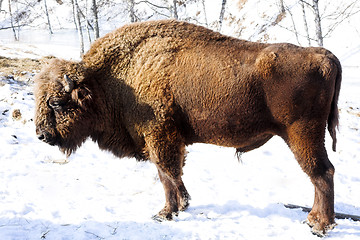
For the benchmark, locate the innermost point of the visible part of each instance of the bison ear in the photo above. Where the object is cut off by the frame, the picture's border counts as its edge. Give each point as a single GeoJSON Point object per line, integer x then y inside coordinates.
{"type": "Point", "coordinates": [82, 96]}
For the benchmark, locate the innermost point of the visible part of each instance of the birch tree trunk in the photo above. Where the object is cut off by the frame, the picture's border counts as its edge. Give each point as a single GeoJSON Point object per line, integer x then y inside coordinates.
{"type": "Point", "coordinates": [96, 19]}
{"type": "Point", "coordinates": [131, 4]}
{"type": "Point", "coordinates": [77, 17]}
{"type": "Point", "coordinates": [12, 22]}
{"type": "Point", "coordinates": [222, 12]}
{"type": "Point", "coordinates": [87, 21]}
{"type": "Point", "coordinates": [305, 23]}
{"type": "Point", "coordinates": [319, 35]}
{"type": "Point", "coordinates": [47, 16]}
{"type": "Point", "coordinates": [175, 13]}
{"type": "Point", "coordinates": [204, 9]}
{"type": "Point", "coordinates": [295, 31]}
{"type": "Point", "coordinates": [74, 15]}
{"type": "Point", "coordinates": [282, 6]}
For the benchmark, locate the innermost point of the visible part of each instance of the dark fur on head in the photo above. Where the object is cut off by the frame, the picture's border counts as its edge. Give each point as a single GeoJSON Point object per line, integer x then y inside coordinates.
{"type": "Point", "coordinates": [63, 113]}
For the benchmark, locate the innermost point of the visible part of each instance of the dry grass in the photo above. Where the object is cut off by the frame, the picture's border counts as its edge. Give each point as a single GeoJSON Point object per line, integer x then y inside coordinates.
{"type": "Point", "coordinates": [354, 111]}
{"type": "Point", "coordinates": [241, 4]}
{"type": "Point", "coordinates": [20, 69]}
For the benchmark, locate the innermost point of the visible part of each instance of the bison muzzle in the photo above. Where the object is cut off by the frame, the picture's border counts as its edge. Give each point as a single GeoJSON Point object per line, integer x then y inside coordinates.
{"type": "Point", "coordinates": [147, 90]}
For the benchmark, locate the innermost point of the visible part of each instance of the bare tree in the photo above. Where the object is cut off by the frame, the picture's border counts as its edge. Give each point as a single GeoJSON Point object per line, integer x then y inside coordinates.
{"type": "Point", "coordinates": [16, 36]}
{"type": "Point", "coordinates": [131, 6]}
{"type": "Point", "coordinates": [341, 14]}
{"type": "Point", "coordinates": [331, 20]}
{"type": "Point", "coordinates": [305, 23]}
{"type": "Point", "coordinates": [78, 21]}
{"type": "Point", "coordinates": [282, 6]}
{"type": "Point", "coordinates": [204, 10]}
{"type": "Point", "coordinates": [88, 26]}
{"type": "Point", "coordinates": [295, 31]}
{"type": "Point", "coordinates": [174, 10]}
{"type": "Point", "coordinates": [319, 35]}
{"type": "Point", "coordinates": [74, 14]}
{"type": "Point", "coordinates": [222, 13]}
{"type": "Point", "coordinates": [47, 16]}
{"type": "Point", "coordinates": [162, 9]}
{"type": "Point", "coordinates": [96, 19]}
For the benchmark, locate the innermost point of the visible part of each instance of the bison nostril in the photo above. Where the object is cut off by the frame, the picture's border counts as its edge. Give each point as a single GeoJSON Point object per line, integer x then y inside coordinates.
{"type": "Point", "coordinates": [47, 138]}
{"type": "Point", "coordinates": [41, 136]}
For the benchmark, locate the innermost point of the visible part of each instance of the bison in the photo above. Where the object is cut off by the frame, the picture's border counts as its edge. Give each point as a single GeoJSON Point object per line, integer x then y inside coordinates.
{"type": "Point", "coordinates": [147, 90]}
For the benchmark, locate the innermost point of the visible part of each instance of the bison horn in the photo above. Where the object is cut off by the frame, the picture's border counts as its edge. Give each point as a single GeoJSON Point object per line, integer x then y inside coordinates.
{"type": "Point", "coordinates": [69, 84]}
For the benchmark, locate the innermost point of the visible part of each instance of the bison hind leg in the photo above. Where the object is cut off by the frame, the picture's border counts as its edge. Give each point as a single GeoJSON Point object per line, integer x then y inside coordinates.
{"type": "Point", "coordinates": [307, 144]}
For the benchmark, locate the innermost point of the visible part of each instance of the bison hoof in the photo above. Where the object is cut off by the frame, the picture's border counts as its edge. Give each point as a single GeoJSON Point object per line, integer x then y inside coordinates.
{"type": "Point", "coordinates": [164, 216]}
{"type": "Point", "coordinates": [320, 229]}
{"type": "Point", "coordinates": [159, 218]}
{"type": "Point", "coordinates": [184, 205]}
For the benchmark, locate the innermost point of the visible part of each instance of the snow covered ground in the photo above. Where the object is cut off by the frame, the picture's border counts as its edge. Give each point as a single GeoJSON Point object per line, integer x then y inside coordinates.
{"type": "Point", "coordinates": [93, 195]}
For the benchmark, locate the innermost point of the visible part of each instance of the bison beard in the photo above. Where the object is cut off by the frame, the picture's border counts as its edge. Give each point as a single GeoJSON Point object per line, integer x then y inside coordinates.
{"type": "Point", "coordinates": [148, 90]}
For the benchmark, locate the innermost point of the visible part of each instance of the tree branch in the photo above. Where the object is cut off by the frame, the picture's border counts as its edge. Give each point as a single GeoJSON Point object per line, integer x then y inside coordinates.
{"type": "Point", "coordinates": [152, 4]}
{"type": "Point", "coordinates": [306, 3]}
{"type": "Point", "coordinates": [336, 24]}
{"type": "Point", "coordinates": [5, 28]}
{"type": "Point", "coordinates": [291, 30]}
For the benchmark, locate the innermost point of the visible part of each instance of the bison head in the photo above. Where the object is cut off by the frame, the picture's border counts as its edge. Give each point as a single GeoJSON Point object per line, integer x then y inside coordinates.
{"type": "Point", "coordinates": [62, 101]}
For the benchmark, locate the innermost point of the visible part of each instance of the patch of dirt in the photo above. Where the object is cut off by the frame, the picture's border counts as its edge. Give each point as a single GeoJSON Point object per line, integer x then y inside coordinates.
{"type": "Point", "coordinates": [354, 111]}
{"type": "Point", "coordinates": [16, 115]}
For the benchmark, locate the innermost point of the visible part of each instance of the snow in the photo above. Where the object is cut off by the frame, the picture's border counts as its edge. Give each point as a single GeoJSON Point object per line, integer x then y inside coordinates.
{"type": "Point", "coordinates": [94, 195]}
{"type": "Point", "coordinates": [38, 43]}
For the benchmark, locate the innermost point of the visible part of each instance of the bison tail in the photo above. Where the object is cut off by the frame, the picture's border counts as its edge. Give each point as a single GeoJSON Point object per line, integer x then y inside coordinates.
{"type": "Point", "coordinates": [333, 119]}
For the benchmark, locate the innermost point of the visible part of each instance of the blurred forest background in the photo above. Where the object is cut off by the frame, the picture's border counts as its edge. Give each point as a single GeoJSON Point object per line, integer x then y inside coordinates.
{"type": "Point", "coordinates": [303, 22]}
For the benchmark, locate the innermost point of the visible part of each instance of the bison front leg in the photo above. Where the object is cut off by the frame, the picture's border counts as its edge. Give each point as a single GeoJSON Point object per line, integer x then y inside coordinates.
{"type": "Point", "coordinates": [176, 195]}
{"type": "Point", "coordinates": [307, 144]}
{"type": "Point", "coordinates": [167, 151]}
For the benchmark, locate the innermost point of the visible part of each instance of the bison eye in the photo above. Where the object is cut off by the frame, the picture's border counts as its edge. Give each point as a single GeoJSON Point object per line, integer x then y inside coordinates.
{"type": "Point", "coordinates": [56, 103]}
